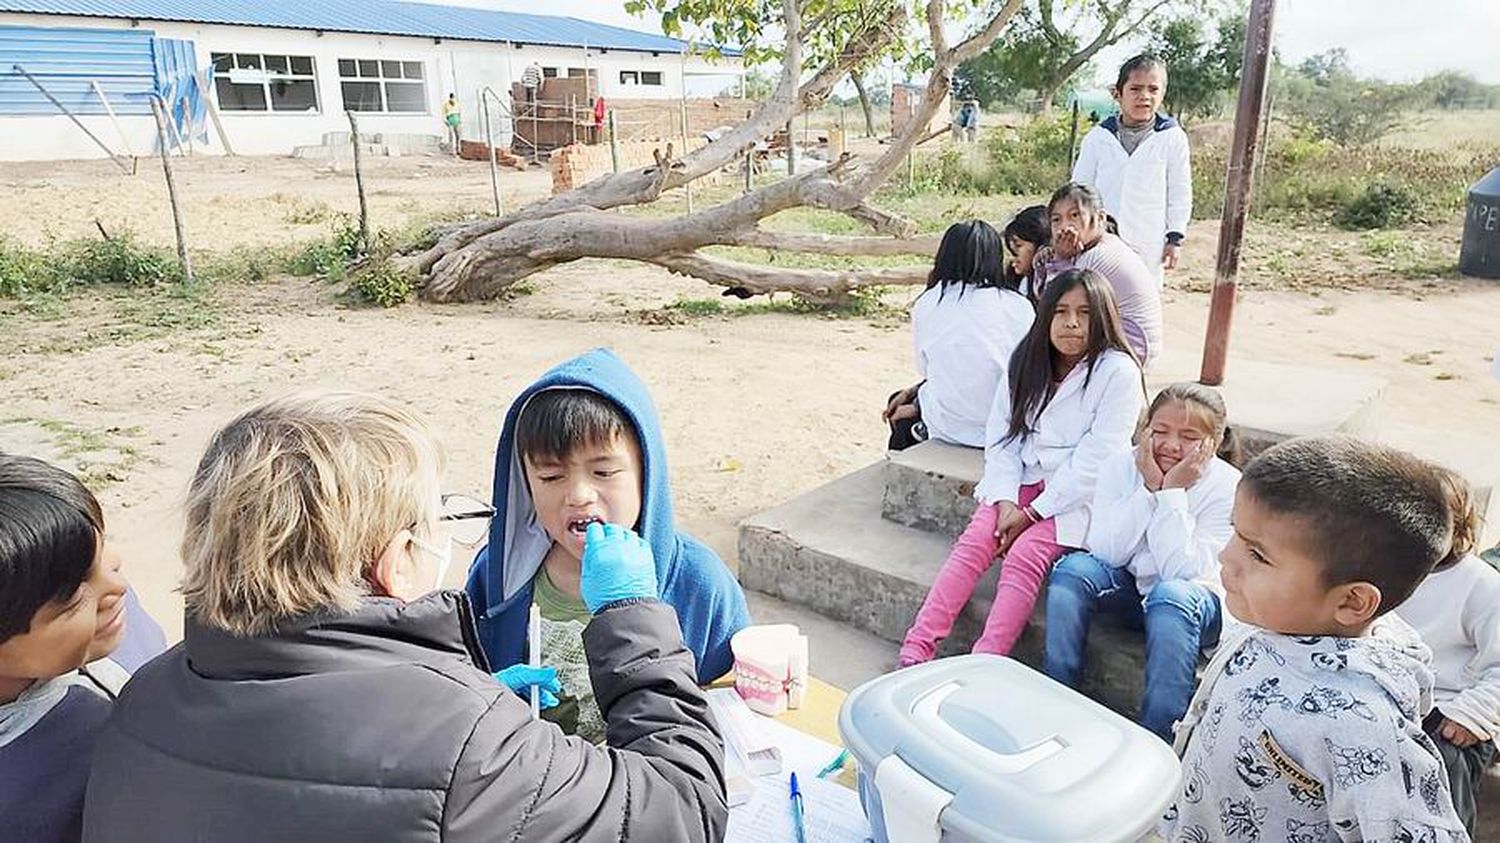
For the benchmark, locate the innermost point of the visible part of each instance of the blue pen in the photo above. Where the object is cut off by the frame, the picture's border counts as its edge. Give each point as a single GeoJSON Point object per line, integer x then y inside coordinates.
{"type": "Point", "coordinates": [797, 825]}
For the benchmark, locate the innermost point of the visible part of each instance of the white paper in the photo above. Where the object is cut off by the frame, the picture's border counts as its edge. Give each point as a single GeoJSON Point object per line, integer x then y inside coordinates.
{"type": "Point", "coordinates": [745, 737]}
{"type": "Point", "coordinates": [830, 813]}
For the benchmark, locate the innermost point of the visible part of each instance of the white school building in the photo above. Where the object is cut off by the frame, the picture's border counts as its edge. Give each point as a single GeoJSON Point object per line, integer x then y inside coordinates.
{"type": "Point", "coordinates": [281, 73]}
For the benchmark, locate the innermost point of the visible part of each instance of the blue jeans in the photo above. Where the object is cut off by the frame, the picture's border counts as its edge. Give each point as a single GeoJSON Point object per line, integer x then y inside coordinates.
{"type": "Point", "coordinates": [1181, 619]}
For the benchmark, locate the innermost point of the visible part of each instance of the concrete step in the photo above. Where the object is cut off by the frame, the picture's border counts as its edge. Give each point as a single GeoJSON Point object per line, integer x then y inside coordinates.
{"type": "Point", "coordinates": [930, 486]}
{"type": "Point", "coordinates": [832, 552]}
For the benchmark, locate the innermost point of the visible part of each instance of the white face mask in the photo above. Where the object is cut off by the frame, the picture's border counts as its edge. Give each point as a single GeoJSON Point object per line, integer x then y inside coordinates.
{"type": "Point", "coordinates": [443, 556]}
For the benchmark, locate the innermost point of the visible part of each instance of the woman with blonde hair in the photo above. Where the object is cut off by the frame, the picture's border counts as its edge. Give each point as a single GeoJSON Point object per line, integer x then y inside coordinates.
{"type": "Point", "coordinates": [325, 690]}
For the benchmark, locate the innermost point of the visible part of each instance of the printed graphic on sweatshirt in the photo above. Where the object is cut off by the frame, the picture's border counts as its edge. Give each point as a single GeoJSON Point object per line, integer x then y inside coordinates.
{"type": "Point", "coordinates": [1314, 743]}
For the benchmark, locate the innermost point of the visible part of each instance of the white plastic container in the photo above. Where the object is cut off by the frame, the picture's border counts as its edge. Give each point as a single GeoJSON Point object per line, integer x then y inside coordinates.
{"type": "Point", "coordinates": [984, 749]}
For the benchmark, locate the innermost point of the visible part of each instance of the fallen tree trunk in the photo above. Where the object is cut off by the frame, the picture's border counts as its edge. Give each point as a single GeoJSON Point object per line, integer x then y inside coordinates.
{"type": "Point", "coordinates": [480, 260]}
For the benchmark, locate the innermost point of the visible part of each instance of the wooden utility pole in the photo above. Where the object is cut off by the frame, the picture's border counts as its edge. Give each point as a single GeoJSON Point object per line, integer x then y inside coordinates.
{"type": "Point", "coordinates": [166, 165]}
{"type": "Point", "coordinates": [1238, 181]}
{"type": "Point", "coordinates": [359, 185]}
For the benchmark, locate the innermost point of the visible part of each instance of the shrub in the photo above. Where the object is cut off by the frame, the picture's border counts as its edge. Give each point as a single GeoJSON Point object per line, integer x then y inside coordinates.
{"type": "Point", "coordinates": [1383, 204]}
{"type": "Point", "coordinates": [383, 283]}
{"type": "Point", "coordinates": [119, 260]}
{"type": "Point", "coordinates": [1026, 160]}
{"type": "Point", "coordinates": [24, 271]}
{"type": "Point", "coordinates": [329, 256]}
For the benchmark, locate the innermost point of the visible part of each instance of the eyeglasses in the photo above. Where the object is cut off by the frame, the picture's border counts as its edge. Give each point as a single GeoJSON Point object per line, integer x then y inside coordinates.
{"type": "Point", "coordinates": [469, 517]}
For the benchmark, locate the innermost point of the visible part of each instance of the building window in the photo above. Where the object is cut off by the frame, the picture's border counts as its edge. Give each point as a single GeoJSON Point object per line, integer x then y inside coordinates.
{"type": "Point", "coordinates": [257, 82]}
{"type": "Point", "coordinates": [383, 85]}
{"type": "Point", "coordinates": [549, 73]}
{"type": "Point", "coordinates": [640, 77]}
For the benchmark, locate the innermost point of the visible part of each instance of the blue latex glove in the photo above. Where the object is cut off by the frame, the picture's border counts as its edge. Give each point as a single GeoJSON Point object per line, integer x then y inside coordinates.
{"type": "Point", "coordinates": [617, 565]}
{"type": "Point", "coordinates": [520, 677]}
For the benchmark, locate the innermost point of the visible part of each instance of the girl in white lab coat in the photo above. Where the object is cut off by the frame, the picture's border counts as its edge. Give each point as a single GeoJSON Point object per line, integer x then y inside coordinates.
{"type": "Point", "coordinates": [1160, 518]}
{"type": "Point", "coordinates": [964, 326]}
{"type": "Point", "coordinates": [1138, 160]}
{"type": "Point", "coordinates": [1072, 395]}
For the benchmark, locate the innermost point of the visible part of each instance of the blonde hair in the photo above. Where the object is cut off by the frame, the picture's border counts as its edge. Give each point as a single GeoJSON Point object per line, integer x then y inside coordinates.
{"type": "Point", "coordinates": [294, 499]}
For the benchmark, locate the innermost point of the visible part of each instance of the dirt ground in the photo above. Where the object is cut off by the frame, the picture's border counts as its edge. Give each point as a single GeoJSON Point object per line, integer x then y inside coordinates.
{"type": "Point", "coordinates": [127, 387]}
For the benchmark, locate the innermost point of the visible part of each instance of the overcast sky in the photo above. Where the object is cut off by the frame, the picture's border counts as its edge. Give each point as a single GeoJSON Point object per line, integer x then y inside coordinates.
{"type": "Point", "coordinates": [1397, 40]}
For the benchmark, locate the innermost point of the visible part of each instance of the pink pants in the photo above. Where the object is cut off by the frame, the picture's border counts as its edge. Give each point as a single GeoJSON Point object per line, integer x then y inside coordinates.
{"type": "Point", "coordinates": [1022, 571]}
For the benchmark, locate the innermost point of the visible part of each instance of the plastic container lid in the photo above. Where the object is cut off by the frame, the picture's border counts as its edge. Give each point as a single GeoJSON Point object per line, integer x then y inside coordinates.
{"type": "Point", "coordinates": [1023, 757]}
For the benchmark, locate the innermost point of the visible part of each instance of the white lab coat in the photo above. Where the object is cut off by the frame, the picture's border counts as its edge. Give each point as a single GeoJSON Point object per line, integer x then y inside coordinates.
{"type": "Point", "coordinates": [1076, 431]}
{"type": "Point", "coordinates": [1173, 534]}
{"type": "Point", "coordinates": [964, 338]}
{"type": "Point", "coordinates": [1149, 192]}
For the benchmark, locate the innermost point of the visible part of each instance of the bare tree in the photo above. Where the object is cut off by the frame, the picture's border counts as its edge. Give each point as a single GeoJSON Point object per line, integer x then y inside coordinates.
{"type": "Point", "coordinates": [1117, 19]}
{"type": "Point", "coordinates": [479, 260]}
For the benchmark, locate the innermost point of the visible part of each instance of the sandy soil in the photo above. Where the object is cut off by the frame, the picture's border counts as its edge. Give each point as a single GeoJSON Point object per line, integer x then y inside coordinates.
{"type": "Point", "coordinates": [756, 408]}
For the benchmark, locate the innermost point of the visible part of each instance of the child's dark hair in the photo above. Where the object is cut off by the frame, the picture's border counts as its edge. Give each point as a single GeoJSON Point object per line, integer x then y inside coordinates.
{"type": "Point", "coordinates": [555, 422]}
{"type": "Point", "coordinates": [50, 528]}
{"type": "Point", "coordinates": [1143, 61]}
{"type": "Point", "coordinates": [1369, 512]}
{"type": "Point", "coordinates": [1033, 225]}
{"type": "Point", "coordinates": [1210, 406]}
{"type": "Point", "coordinates": [1089, 202]}
{"type": "Point", "coordinates": [969, 256]}
{"type": "Point", "coordinates": [1466, 520]}
{"type": "Point", "coordinates": [1031, 363]}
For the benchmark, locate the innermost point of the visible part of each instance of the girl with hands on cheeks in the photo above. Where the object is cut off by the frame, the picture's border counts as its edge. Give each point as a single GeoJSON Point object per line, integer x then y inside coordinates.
{"type": "Point", "coordinates": [1160, 518]}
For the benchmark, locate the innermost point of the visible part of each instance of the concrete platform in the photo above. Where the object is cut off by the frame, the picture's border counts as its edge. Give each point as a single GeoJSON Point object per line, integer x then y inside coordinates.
{"type": "Point", "coordinates": [832, 552]}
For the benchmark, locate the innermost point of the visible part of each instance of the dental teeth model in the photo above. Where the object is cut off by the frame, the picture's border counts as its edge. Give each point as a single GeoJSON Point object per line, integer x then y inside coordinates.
{"type": "Point", "coordinates": [770, 667]}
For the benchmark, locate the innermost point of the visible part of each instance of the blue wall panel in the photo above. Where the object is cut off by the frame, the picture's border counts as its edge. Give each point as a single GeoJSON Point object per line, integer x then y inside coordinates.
{"type": "Point", "coordinates": [65, 61]}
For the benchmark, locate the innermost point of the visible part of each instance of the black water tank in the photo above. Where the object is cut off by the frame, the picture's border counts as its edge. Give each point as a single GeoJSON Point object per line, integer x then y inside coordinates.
{"type": "Point", "coordinates": [1480, 254]}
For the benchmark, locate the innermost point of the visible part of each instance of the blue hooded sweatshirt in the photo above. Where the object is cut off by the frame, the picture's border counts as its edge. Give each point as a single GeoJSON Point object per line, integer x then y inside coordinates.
{"type": "Point", "coordinates": [692, 578]}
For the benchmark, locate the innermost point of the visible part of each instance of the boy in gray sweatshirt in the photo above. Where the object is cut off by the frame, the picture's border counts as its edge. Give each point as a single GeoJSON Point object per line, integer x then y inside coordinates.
{"type": "Point", "coordinates": [1308, 724]}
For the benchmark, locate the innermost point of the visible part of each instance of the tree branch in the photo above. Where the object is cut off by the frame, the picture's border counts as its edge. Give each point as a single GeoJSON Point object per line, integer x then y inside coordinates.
{"type": "Point", "coordinates": [827, 244]}
{"type": "Point", "coordinates": [981, 40]}
{"type": "Point", "coordinates": [935, 13]}
{"type": "Point", "coordinates": [822, 285]}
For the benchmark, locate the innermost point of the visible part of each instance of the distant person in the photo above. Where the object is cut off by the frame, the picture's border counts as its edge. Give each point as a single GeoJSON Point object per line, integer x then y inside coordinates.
{"type": "Point", "coordinates": [531, 81]}
{"type": "Point", "coordinates": [1456, 610]}
{"type": "Point", "coordinates": [965, 326]}
{"type": "Point", "coordinates": [328, 689]}
{"type": "Point", "coordinates": [452, 119]}
{"type": "Point", "coordinates": [71, 633]}
{"type": "Point", "coordinates": [1138, 161]}
{"type": "Point", "coordinates": [1081, 239]}
{"type": "Point", "coordinates": [966, 122]}
{"type": "Point", "coordinates": [1070, 398]}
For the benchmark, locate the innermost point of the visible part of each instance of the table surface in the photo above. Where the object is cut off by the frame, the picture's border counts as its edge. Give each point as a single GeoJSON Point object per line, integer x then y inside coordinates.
{"type": "Point", "coordinates": [818, 717]}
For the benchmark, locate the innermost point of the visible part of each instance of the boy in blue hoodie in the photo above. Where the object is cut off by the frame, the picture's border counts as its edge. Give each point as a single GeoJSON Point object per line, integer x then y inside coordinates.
{"type": "Point", "coordinates": [583, 444]}
{"type": "Point", "coordinates": [71, 632]}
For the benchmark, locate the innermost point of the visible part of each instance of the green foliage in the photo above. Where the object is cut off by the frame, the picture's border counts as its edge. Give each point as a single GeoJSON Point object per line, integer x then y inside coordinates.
{"type": "Point", "coordinates": [1200, 71]}
{"type": "Point", "coordinates": [382, 283]}
{"type": "Point", "coordinates": [758, 86]}
{"type": "Point", "coordinates": [1452, 89]}
{"type": "Point", "coordinates": [328, 257]}
{"type": "Point", "coordinates": [1324, 99]}
{"type": "Point", "coordinates": [1027, 160]}
{"type": "Point", "coordinates": [1307, 179]}
{"type": "Point", "coordinates": [1382, 204]}
{"type": "Point", "coordinates": [1017, 67]}
{"type": "Point", "coordinates": [25, 272]}
{"type": "Point", "coordinates": [118, 260]}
